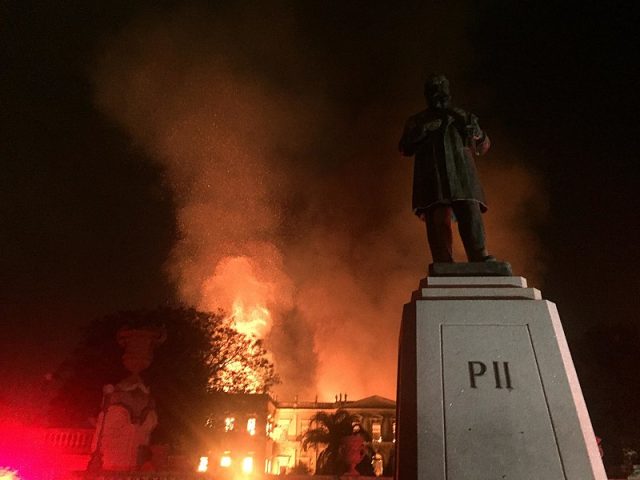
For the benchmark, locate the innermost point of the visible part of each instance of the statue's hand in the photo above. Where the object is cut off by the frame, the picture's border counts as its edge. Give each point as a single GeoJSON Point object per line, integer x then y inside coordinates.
{"type": "Point", "coordinates": [474, 131]}
{"type": "Point", "coordinates": [431, 126]}
{"type": "Point", "coordinates": [424, 131]}
{"type": "Point", "coordinates": [416, 134]}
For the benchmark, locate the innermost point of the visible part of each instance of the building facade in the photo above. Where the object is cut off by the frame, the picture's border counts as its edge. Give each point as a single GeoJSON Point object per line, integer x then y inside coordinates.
{"type": "Point", "coordinates": [255, 431]}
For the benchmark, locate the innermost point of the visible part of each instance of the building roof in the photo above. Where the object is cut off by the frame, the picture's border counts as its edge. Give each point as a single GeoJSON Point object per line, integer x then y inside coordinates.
{"type": "Point", "coordinates": [374, 401]}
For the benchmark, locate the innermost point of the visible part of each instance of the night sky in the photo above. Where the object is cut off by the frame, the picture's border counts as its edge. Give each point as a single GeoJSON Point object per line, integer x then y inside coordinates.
{"type": "Point", "coordinates": [89, 210]}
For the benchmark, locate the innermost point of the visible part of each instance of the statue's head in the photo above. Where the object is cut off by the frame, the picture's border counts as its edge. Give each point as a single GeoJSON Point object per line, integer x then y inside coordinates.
{"type": "Point", "coordinates": [436, 91]}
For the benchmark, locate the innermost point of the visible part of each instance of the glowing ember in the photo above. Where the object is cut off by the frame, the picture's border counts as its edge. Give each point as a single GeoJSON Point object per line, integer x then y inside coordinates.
{"type": "Point", "coordinates": [6, 474]}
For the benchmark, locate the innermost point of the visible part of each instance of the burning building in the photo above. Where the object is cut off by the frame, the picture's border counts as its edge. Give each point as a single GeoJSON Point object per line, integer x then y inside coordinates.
{"type": "Point", "coordinates": [252, 433]}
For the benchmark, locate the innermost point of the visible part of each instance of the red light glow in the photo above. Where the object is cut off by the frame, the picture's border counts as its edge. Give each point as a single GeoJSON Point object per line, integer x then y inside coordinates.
{"type": "Point", "coordinates": [24, 453]}
{"type": "Point", "coordinates": [6, 474]}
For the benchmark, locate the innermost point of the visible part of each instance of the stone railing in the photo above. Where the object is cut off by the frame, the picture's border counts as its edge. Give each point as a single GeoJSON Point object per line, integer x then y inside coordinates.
{"type": "Point", "coordinates": [141, 476]}
{"type": "Point", "coordinates": [200, 476]}
{"type": "Point", "coordinates": [69, 440]}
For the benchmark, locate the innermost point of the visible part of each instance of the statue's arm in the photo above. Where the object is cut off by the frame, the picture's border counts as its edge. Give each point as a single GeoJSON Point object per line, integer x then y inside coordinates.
{"type": "Point", "coordinates": [413, 135]}
{"type": "Point", "coordinates": [482, 145]}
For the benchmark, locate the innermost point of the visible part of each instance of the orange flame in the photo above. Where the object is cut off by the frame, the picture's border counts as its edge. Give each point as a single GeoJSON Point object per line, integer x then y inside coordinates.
{"type": "Point", "coordinates": [253, 320]}
{"type": "Point", "coordinates": [236, 288]}
{"type": "Point", "coordinates": [239, 287]}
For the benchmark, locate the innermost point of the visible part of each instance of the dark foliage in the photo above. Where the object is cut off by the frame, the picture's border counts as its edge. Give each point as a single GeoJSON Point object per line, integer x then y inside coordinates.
{"type": "Point", "coordinates": [299, 469]}
{"type": "Point", "coordinates": [329, 429]}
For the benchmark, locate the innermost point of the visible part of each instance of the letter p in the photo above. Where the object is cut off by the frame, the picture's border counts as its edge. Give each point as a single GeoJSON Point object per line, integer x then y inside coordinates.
{"type": "Point", "coordinates": [476, 369]}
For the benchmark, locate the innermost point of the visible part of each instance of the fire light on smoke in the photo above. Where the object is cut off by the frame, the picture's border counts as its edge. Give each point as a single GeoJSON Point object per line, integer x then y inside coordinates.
{"type": "Point", "coordinates": [303, 255]}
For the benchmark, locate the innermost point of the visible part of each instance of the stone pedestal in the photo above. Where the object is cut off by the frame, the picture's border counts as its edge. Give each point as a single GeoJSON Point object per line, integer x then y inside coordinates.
{"type": "Point", "coordinates": [487, 389]}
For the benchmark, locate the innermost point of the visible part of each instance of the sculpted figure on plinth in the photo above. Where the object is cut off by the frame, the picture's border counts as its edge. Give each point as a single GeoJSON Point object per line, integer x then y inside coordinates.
{"type": "Point", "coordinates": [444, 139]}
{"type": "Point", "coordinates": [128, 413]}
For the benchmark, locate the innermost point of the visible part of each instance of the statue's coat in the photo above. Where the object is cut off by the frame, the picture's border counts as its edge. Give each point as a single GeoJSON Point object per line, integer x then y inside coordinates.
{"type": "Point", "coordinates": [444, 168]}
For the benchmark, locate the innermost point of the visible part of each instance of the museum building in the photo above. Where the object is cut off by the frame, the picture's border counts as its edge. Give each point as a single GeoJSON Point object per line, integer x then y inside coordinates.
{"type": "Point", "coordinates": [253, 432]}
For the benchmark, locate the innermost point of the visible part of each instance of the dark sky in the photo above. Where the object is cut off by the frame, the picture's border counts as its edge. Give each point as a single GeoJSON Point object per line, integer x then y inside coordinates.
{"type": "Point", "coordinates": [89, 221]}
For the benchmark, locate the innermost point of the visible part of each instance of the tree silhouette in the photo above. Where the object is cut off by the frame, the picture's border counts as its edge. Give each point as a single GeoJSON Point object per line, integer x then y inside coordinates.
{"type": "Point", "coordinates": [329, 429]}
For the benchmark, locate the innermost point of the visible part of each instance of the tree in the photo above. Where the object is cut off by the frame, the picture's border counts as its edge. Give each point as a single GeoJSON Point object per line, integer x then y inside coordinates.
{"type": "Point", "coordinates": [329, 429]}
{"type": "Point", "coordinates": [203, 353]}
{"type": "Point", "coordinates": [237, 363]}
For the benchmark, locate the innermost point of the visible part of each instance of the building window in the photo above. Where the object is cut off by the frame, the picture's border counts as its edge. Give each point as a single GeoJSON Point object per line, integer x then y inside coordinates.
{"type": "Point", "coordinates": [229, 424]}
{"type": "Point", "coordinates": [225, 460]}
{"type": "Point", "coordinates": [393, 429]}
{"type": "Point", "coordinates": [376, 431]}
{"type": "Point", "coordinates": [281, 430]}
{"type": "Point", "coordinates": [251, 426]}
{"type": "Point", "coordinates": [247, 465]}
{"type": "Point", "coordinates": [203, 464]}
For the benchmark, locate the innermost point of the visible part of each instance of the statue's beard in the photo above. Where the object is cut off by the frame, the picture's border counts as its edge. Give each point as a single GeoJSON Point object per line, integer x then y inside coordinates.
{"type": "Point", "coordinates": [439, 101]}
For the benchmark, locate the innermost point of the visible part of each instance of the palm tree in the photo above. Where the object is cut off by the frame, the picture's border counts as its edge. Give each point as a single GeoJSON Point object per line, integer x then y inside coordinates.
{"type": "Point", "coordinates": [329, 430]}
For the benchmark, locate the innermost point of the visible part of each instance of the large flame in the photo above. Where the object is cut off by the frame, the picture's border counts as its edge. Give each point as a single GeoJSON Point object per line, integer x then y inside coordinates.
{"type": "Point", "coordinates": [236, 288]}
{"type": "Point", "coordinates": [241, 288]}
{"type": "Point", "coordinates": [252, 320]}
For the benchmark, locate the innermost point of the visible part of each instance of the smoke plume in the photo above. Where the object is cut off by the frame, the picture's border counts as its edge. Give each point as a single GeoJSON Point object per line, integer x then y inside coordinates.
{"type": "Point", "coordinates": [293, 206]}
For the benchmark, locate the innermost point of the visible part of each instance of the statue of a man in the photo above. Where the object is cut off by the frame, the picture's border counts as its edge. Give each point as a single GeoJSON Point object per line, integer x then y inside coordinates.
{"type": "Point", "coordinates": [444, 140]}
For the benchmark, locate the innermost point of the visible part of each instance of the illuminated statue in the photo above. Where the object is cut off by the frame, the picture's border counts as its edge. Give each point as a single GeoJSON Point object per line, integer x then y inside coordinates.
{"type": "Point", "coordinates": [128, 413]}
{"type": "Point", "coordinates": [444, 140]}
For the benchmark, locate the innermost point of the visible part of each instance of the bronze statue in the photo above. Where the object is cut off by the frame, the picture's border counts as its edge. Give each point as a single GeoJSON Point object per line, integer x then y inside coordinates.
{"type": "Point", "coordinates": [444, 140]}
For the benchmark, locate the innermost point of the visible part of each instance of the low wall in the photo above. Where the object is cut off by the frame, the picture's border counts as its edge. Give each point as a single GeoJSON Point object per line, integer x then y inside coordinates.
{"type": "Point", "coordinates": [201, 476]}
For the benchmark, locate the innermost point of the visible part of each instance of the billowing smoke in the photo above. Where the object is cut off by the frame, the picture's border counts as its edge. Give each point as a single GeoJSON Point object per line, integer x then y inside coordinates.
{"type": "Point", "coordinates": [293, 209]}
